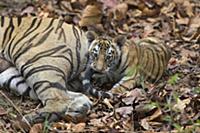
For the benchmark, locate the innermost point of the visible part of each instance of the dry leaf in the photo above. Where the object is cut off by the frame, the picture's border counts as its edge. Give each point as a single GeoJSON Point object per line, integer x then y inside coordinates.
{"type": "Point", "coordinates": [182, 21]}
{"type": "Point", "coordinates": [62, 126]}
{"type": "Point", "coordinates": [169, 8]}
{"type": "Point", "coordinates": [181, 104]}
{"type": "Point", "coordinates": [28, 10]}
{"type": "Point", "coordinates": [144, 123]}
{"type": "Point", "coordinates": [79, 127]}
{"type": "Point", "coordinates": [109, 3]}
{"type": "Point", "coordinates": [2, 111]}
{"type": "Point", "coordinates": [189, 53]}
{"type": "Point", "coordinates": [148, 29]}
{"type": "Point", "coordinates": [189, 8]}
{"type": "Point", "coordinates": [107, 102]}
{"type": "Point", "coordinates": [124, 111]}
{"type": "Point", "coordinates": [155, 115]}
{"type": "Point", "coordinates": [91, 15]}
{"type": "Point", "coordinates": [120, 11]}
{"type": "Point", "coordinates": [135, 94]}
{"type": "Point", "coordinates": [96, 123]}
{"type": "Point", "coordinates": [37, 128]}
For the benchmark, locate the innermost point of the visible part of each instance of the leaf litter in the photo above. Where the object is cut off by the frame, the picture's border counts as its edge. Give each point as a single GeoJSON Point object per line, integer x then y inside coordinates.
{"type": "Point", "coordinates": [173, 104]}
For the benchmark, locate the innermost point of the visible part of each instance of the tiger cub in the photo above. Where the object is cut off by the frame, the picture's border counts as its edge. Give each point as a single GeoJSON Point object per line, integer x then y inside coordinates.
{"type": "Point", "coordinates": [124, 62]}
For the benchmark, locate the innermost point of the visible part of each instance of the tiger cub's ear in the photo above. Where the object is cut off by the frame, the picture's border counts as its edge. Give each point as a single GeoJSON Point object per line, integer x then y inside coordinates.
{"type": "Point", "coordinates": [91, 35]}
{"type": "Point", "coordinates": [120, 40]}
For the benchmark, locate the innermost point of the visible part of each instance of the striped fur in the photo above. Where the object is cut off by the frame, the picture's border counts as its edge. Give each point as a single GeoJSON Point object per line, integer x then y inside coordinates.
{"type": "Point", "coordinates": [125, 63]}
{"type": "Point", "coordinates": [46, 57]}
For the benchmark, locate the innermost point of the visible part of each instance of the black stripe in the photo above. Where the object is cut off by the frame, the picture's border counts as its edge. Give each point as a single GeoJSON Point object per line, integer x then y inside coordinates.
{"type": "Point", "coordinates": [9, 45]}
{"type": "Point", "coordinates": [9, 36]}
{"type": "Point", "coordinates": [27, 32]}
{"type": "Point", "coordinates": [125, 65]}
{"type": "Point", "coordinates": [22, 45]}
{"type": "Point", "coordinates": [159, 72]}
{"type": "Point", "coordinates": [78, 47]}
{"type": "Point", "coordinates": [68, 62]}
{"type": "Point", "coordinates": [5, 35]}
{"type": "Point", "coordinates": [2, 21]}
{"type": "Point", "coordinates": [11, 32]}
{"type": "Point", "coordinates": [12, 78]}
{"type": "Point", "coordinates": [31, 26]}
{"type": "Point", "coordinates": [69, 51]}
{"type": "Point", "coordinates": [155, 64]}
{"type": "Point", "coordinates": [22, 52]}
{"type": "Point", "coordinates": [44, 68]}
{"type": "Point", "coordinates": [51, 85]}
{"type": "Point", "coordinates": [19, 20]}
{"type": "Point", "coordinates": [166, 55]}
{"type": "Point", "coordinates": [21, 82]}
{"type": "Point", "coordinates": [122, 71]}
{"type": "Point", "coordinates": [148, 69]}
{"type": "Point", "coordinates": [119, 62]}
{"type": "Point", "coordinates": [44, 37]}
{"type": "Point", "coordinates": [38, 84]}
{"type": "Point", "coordinates": [26, 93]}
{"type": "Point", "coordinates": [145, 62]}
{"type": "Point", "coordinates": [62, 33]}
{"type": "Point", "coordinates": [144, 69]}
{"type": "Point", "coordinates": [50, 24]}
{"type": "Point", "coordinates": [60, 23]}
{"type": "Point", "coordinates": [160, 60]}
{"type": "Point", "coordinates": [41, 55]}
{"type": "Point", "coordinates": [17, 53]}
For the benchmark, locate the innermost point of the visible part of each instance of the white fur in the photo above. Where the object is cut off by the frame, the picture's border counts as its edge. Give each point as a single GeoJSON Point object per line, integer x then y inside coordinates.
{"type": "Point", "coordinates": [7, 74]}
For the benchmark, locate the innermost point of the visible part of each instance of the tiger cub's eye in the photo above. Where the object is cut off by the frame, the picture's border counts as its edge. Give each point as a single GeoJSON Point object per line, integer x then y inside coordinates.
{"type": "Point", "coordinates": [95, 54]}
{"type": "Point", "coordinates": [109, 57]}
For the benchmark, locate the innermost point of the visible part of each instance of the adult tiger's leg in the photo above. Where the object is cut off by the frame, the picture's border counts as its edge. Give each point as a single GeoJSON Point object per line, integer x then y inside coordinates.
{"type": "Point", "coordinates": [50, 87]}
{"type": "Point", "coordinates": [11, 78]}
{"type": "Point", "coordinates": [59, 103]}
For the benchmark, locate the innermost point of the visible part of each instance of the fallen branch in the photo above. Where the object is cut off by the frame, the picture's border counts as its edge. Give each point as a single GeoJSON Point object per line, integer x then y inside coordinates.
{"type": "Point", "coordinates": [15, 107]}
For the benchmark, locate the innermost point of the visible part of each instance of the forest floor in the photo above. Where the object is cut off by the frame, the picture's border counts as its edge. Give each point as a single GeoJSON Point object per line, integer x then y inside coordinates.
{"type": "Point", "coordinates": [172, 105]}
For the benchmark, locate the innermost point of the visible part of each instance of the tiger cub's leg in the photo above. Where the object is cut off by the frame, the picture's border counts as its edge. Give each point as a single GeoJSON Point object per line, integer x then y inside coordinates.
{"type": "Point", "coordinates": [88, 87]}
{"type": "Point", "coordinates": [130, 80]}
{"type": "Point", "coordinates": [125, 84]}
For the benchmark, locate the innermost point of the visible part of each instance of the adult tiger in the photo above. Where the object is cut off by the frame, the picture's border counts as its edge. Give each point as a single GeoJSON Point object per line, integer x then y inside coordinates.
{"type": "Point", "coordinates": [124, 62]}
{"type": "Point", "coordinates": [45, 57]}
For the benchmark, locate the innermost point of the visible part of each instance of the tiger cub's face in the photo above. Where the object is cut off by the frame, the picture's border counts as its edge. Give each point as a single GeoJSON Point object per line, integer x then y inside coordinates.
{"type": "Point", "coordinates": [104, 53]}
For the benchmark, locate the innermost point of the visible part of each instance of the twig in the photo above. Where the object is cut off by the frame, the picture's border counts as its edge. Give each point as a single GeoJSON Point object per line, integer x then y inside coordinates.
{"type": "Point", "coordinates": [15, 107]}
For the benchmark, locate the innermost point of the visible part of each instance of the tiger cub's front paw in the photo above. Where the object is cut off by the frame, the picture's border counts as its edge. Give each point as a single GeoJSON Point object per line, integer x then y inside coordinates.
{"type": "Point", "coordinates": [117, 89]}
{"type": "Point", "coordinates": [100, 79]}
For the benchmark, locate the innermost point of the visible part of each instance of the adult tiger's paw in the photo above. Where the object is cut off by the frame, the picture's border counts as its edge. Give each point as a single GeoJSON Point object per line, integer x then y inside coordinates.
{"type": "Point", "coordinates": [75, 106]}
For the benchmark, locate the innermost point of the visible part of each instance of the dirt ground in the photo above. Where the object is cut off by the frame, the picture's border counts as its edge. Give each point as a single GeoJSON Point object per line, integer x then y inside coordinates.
{"type": "Point", "coordinates": [172, 105]}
